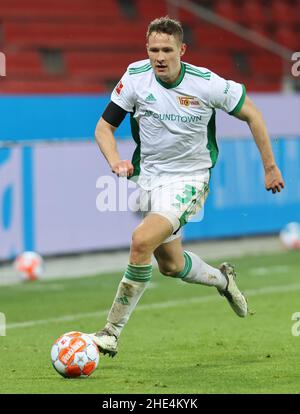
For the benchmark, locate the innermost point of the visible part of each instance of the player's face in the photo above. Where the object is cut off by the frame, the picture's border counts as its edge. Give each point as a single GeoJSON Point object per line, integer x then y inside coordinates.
{"type": "Point", "coordinates": [165, 52]}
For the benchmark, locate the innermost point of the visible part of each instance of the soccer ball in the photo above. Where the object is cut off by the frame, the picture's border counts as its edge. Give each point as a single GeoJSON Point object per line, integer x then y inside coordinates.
{"type": "Point", "coordinates": [75, 355]}
{"type": "Point", "coordinates": [290, 236]}
{"type": "Point", "coordinates": [29, 265]}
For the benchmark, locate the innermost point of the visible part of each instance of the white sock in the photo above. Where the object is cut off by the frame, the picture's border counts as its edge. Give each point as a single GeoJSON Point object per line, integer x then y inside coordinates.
{"type": "Point", "coordinates": [130, 290]}
{"type": "Point", "coordinates": [197, 271]}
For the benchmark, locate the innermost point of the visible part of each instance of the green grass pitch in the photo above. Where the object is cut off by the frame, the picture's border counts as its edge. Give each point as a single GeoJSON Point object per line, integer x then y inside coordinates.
{"type": "Point", "coordinates": [182, 338]}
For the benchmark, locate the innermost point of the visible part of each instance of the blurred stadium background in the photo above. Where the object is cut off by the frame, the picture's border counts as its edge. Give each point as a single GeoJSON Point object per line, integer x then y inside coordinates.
{"type": "Point", "coordinates": [62, 59]}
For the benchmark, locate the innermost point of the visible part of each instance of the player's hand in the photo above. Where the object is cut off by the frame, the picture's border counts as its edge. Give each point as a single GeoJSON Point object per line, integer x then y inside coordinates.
{"type": "Point", "coordinates": [122, 168]}
{"type": "Point", "coordinates": [273, 179]}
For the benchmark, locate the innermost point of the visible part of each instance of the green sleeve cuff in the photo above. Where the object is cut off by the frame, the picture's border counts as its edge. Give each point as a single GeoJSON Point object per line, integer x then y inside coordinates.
{"type": "Point", "coordinates": [240, 102]}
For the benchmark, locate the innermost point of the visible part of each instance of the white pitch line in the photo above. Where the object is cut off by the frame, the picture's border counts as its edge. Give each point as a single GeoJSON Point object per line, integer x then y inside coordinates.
{"type": "Point", "coordinates": [160, 305]}
{"type": "Point", "coordinates": [262, 271]}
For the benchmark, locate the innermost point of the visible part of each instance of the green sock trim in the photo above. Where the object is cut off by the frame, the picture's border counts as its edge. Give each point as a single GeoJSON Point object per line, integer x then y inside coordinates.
{"type": "Point", "coordinates": [138, 273]}
{"type": "Point", "coordinates": [187, 266]}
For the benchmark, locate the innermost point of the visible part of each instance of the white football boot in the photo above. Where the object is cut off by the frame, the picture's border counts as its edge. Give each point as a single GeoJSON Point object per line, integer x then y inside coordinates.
{"type": "Point", "coordinates": [106, 342]}
{"type": "Point", "coordinates": [232, 293]}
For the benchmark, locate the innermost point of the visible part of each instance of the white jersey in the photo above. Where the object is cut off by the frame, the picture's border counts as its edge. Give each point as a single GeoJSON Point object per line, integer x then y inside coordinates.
{"type": "Point", "coordinates": [174, 124]}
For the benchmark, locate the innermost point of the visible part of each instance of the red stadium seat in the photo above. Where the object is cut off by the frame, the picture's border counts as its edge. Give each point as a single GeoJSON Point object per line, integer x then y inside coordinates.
{"type": "Point", "coordinates": [227, 9]}
{"type": "Point", "coordinates": [103, 65]}
{"type": "Point", "coordinates": [25, 64]}
{"type": "Point", "coordinates": [149, 10]}
{"type": "Point", "coordinates": [215, 38]}
{"type": "Point", "coordinates": [186, 17]}
{"type": "Point", "coordinates": [267, 64]}
{"type": "Point", "coordinates": [288, 37]}
{"type": "Point", "coordinates": [262, 85]}
{"type": "Point", "coordinates": [73, 35]}
{"type": "Point", "coordinates": [253, 12]}
{"type": "Point", "coordinates": [59, 10]}
{"type": "Point", "coordinates": [221, 63]}
{"type": "Point", "coordinates": [284, 13]}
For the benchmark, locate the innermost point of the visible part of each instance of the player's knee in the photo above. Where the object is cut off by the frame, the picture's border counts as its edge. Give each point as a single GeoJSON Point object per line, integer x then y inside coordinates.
{"type": "Point", "coordinates": [140, 243]}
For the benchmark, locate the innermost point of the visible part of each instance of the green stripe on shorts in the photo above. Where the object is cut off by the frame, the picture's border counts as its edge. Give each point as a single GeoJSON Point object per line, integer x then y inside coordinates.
{"type": "Point", "coordinates": [190, 211]}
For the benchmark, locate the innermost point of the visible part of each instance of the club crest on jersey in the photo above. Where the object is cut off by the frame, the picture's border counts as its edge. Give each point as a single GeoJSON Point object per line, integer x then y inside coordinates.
{"type": "Point", "coordinates": [188, 101]}
{"type": "Point", "coordinates": [119, 87]}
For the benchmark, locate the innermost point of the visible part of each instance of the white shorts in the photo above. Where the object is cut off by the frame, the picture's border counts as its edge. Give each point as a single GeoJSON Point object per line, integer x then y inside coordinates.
{"type": "Point", "coordinates": [178, 202]}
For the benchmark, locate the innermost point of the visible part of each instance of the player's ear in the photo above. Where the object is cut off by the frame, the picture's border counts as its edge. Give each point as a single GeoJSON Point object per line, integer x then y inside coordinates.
{"type": "Point", "coordinates": [182, 49]}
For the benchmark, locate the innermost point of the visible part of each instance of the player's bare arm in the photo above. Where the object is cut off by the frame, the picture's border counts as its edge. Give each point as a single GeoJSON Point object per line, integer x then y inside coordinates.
{"type": "Point", "coordinates": [254, 118]}
{"type": "Point", "coordinates": [106, 141]}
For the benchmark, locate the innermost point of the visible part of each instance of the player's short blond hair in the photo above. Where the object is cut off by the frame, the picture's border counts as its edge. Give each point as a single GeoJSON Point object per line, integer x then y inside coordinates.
{"type": "Point", "coordinates": [166, 25]}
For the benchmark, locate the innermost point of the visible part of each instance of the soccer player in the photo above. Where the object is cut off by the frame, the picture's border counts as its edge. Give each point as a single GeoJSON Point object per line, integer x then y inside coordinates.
{"type": "Point", "coordinates": [172, 106]}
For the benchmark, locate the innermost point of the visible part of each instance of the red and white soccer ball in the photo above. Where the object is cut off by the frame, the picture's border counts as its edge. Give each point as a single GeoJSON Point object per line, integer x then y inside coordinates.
{"type": "Point", "coordinates": [290, 236]}
{"type": "Point", "coordinates": [29, 265]}
{"type": "Point", "coordinates": [75, 355]}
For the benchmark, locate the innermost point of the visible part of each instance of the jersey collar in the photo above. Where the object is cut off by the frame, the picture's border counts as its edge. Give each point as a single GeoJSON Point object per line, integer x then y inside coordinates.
{"type": "Point", "coordinates": [174, 84]}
